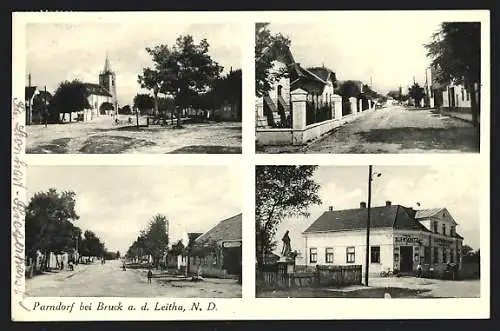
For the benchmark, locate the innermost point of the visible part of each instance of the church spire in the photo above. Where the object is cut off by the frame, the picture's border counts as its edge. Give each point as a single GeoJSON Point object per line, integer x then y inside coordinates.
{"type": "Point", "coordinates": [107, 66]}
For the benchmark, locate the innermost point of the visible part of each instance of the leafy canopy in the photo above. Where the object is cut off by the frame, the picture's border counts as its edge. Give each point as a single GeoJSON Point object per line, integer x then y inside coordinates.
{"type": "Point", "coordinates": [281, 191]}
{"type": "Point", "coordinates": [70, 96]}
{"type": "Point", "coordinates": [267, 45]}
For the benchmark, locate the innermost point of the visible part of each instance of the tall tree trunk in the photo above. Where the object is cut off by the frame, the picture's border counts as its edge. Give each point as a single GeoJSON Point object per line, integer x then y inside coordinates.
{"type": "Point", "coordinates": [475, 113]}
{"type": "Point", "coordinates": [156, 103]}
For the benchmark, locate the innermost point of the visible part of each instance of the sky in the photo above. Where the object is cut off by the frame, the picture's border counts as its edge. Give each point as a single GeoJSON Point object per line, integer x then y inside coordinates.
{"type": "Point", "coordinates": [118, 202]}
{"type": "Point", "coordinates": [58, 52]}
{"type": "Point", "coordinates": [388, 48]}
{"type": "Point", "coordinates": [344, 187]}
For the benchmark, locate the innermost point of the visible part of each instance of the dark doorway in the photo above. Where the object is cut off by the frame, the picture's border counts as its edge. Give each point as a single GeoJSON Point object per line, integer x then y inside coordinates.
{"type": "Point", "coordinates": [406, 253]}
{"type": "Point", "coordinates": [452, 97]}
{"type": "Point", "coordinates": [232, 260]}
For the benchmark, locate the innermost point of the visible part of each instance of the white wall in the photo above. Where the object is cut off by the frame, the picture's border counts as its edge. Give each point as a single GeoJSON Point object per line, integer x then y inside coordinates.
{"type": "Point", "coordinates": [459, 102]}
{"type": "Point", "coordinates": [339, 241]}
{"type": "Point", "coordinates": [327, 92]}
{"type": "Point", "coordinates": [284, 82]}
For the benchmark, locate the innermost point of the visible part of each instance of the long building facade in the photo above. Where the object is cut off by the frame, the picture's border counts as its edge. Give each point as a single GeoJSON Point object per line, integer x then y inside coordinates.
{"type": "Point", "coordinates": [401, 238]}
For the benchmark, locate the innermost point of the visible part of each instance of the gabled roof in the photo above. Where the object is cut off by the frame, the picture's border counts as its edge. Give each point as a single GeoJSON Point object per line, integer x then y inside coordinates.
{"type": "Point", "coordinates": [394, 216]}
{"type": "Point", "coordinates": [324, 73]}
{"type": "Point", "coordinates": [29, 92]}
{"type": "Point", "coordinates": [426, 213]}
{"type": "Point", "coordinates": [434, 212]}
{"type": "Point", "coordinates": [228, 229]}
{"type": "Point", "coordinates": [97, 89]}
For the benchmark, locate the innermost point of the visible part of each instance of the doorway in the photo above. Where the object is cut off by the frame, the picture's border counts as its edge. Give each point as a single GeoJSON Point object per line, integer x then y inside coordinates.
{"type": "Point", "coordinates": [406, 264]}
{"type": "Point", "coordinates": [232, 260]}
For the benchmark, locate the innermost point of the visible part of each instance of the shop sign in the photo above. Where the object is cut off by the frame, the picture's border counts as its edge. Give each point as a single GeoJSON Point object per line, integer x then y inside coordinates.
{"type": "Point", "coordinates": [443, 242]}
{"type": "Point", "coordinates": [407, 240]}
{"type": "Point", "coordinates": [229, 244]}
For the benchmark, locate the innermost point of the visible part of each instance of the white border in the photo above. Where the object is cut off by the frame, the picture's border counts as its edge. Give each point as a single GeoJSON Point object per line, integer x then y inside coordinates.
{"type": "Point", "coordinates": [249, 307]}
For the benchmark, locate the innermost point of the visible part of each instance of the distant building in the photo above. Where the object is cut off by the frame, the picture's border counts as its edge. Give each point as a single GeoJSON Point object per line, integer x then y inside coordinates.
{"type": "Point", "coordinates": [274, 108]}
{"type": "Point", "coordinates": [401, 238]}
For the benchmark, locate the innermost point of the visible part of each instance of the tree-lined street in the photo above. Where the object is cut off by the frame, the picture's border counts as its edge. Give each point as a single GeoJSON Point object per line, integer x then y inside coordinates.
{"type": "Point", "coordinates": [395, 129]}
{"type": "Point", "coordinates": [110, 280]}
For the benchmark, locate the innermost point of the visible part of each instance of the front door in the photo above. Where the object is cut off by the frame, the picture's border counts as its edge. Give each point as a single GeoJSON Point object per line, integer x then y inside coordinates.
{"type": "Point", "coordinates": [452, 97]}
{"type": "Point", "coordinates": [406, 253]}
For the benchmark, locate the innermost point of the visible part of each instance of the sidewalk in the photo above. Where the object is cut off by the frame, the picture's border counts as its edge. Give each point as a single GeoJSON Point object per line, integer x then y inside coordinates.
{"type": "Point", "coordinates": [458, 115]}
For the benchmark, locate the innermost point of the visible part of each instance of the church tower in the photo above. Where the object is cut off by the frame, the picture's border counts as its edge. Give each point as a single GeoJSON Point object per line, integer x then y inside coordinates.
{"type": "Point", "coordinates": [107, 79]}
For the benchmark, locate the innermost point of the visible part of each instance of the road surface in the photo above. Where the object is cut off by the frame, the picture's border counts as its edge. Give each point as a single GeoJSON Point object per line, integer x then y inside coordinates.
{"type": "Point", "coordinates": [103, 136]}
{"type": "Point", "coordinates": [394, 129]}
{"type": "Point", "coordinates": [108, 280]}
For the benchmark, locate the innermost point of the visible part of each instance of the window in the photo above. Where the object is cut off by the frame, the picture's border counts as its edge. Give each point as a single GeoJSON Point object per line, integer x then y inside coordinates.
{"type": "Point", "coordinates": [313, 255]}
{"type": "Point", "coordinates": [444, 229]}
{"type": "Point", "coordinates": [463, 96]}
{"type": "Point", "coordinates": [435, 226]}
{"type": "Point", "coordinates": [452, 231]}
{"type": "Point", "coordinates": [329, 255]}
{"type": "Point", "coordinates": [435, 259]}
{"type": "Point", "coordinates": [445, 256]}
{"type": "Point", "coordinates": [468, 96]}
{"type": "Point", "coordinates": [452, 256]}
{"type": "Point", "coordinates": [350, 255]}
{"type": "Point", "coordinates": [375, 254]}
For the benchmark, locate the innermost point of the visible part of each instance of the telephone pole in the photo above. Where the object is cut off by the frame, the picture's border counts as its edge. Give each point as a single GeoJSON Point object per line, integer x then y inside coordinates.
{"type": "Point", "coordinates": [367, 260]}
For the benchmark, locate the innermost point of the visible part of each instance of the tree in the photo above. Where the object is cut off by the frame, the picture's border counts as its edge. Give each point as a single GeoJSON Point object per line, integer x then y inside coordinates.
{"type": "Point", "coordinates": [184, 70]}
{"type": "Point", "coordinates": [156, 238]}
{"type": "Point", "coordinates": [455, 51]}
{"type": "Point", "coordinates": [143, 102]}
{"type": "Point", "coordinates": [92, 245]}
{"type": "Point", "coordinates": [117, 254]}
{"type": "Point", "coordinates": [281, 191]}
{"type": "Point", "coordinates": [125, 110]}
{"type": "Point", "coordinates": [70, 97]}
{"type": "Point", "coordinates": [49, 223]}
{"type": "Point", "coordinates": [41, 101]}
{"type": "Point", "coordinates": [349, 89]}
{"type": "Point", "coordinates": [106, 106]}
{"type": "Point", "coordinates": [417, 93]}
{"type": "Point", "coordinates": [266, 46]}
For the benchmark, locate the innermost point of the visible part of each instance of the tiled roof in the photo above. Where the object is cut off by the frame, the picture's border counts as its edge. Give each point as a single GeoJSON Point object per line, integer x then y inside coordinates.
{"type": "Point", "coordinates": [323, 73]}
{"type": "Point", "coordinates": [394, 216]}
{"type": "Point", "coordinates": [426, 213]}
{"type": "Point", "coordinates": [97, 89]}
{"type": "Point", "coordinates": [228, 229]}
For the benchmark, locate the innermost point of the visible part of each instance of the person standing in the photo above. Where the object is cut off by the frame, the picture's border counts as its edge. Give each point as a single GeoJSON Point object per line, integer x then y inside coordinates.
{"type": "Point", "coordinates": [150, 275]}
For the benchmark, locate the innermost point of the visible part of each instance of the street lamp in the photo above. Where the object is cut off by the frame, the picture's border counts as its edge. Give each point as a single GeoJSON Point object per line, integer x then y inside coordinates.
{"type": "Point", "coordinates": [368, 221]}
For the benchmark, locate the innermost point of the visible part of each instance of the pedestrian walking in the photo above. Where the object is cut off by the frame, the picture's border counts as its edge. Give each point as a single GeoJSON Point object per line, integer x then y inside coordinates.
{"type": "Point", "coordinates": [150, 275]}
{"type": "Point", "coordinates": [419, 270]}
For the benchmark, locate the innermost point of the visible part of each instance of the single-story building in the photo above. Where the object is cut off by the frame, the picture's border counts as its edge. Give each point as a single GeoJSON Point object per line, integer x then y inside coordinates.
{"type": "Point", "coordinates": [218, 252]}
{"type": "Point", "coordinates": [401, 238]}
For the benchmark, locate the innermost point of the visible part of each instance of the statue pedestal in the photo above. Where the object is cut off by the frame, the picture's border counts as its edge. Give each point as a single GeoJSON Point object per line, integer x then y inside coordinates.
{"type": "Point", "coordinates": [287, 263]}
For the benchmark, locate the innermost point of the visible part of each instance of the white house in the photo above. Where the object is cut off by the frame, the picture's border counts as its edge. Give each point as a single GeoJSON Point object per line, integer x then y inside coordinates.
{"type": "Point", "coordinates": [401, 238]}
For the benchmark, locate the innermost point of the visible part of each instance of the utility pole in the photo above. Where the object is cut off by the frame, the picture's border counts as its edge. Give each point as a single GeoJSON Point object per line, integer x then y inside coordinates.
{"type": "Point", "coordinates": [367, 260]}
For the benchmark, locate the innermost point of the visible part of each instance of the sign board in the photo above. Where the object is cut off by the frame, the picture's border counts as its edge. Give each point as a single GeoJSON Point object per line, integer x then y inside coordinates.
{"type": "Point", "coordinates": [407, 240]}
{"type": "Point", "coordinates": [229, 244]}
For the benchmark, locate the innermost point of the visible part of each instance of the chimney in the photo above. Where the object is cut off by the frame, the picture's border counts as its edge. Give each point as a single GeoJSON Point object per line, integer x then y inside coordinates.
{"type": "Point", "coordinates": [362, 204]}
{"type": "Point", "coordinates": [388, 203]}
{"type": "Point", "coordinates": [330, 208]}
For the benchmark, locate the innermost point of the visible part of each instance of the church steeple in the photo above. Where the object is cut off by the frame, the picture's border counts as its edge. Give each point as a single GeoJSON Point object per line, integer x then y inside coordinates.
{"type": "Point", "coordinates": [107, 66]}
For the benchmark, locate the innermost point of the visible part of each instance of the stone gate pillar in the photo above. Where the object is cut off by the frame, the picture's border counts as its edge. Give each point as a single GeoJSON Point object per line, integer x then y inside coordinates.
{"type": "Point", "coordinates": [337, 106]}
{"type": "Point", "coordinates": [354, 106]}
{"type": "Point", "coordinates": [298, 98]}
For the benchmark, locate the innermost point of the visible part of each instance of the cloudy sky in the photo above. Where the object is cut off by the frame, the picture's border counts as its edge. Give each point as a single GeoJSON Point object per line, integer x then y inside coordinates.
{"type": "Point", "coordinates": [117, 202]}
{"type": "Point", "coordinates": [387, 47]}
{"type": "Point", "coordinates": [56, 52]}
{"type": "Point", "coordinates": [433, 187]}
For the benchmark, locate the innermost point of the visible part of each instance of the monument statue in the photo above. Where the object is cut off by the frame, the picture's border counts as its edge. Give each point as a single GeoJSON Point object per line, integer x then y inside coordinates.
{"type": "Point", "coordinates": [287, 249]}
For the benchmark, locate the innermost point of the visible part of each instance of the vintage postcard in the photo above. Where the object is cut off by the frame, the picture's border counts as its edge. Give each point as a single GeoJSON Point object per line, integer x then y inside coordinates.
{"type": "Point", "coordinates": [145, 184]}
